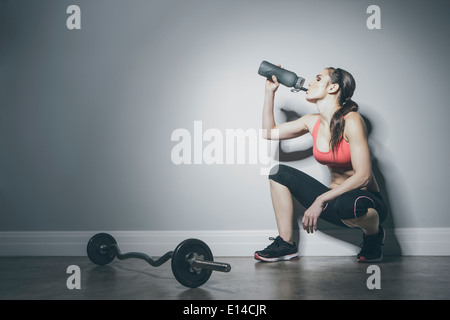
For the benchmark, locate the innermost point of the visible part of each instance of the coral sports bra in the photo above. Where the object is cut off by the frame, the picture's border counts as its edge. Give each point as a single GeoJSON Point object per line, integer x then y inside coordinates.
{"type": "Point", "coordinates": [339, 159]}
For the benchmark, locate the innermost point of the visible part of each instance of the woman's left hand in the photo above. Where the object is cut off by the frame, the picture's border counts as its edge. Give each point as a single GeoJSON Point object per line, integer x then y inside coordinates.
{"type": "Point", "coordinates": [311, 216]}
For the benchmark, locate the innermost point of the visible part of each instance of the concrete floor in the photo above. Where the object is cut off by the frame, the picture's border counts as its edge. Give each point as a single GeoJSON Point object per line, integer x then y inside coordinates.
{"type": "Point", "coordinates": [44, 278]}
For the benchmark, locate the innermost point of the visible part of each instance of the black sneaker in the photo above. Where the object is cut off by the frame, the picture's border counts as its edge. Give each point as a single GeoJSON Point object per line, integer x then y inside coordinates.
{"type": "Point", "coordinates": [371, 247]}
{"type": "Point", "coordinates": [279, 250]}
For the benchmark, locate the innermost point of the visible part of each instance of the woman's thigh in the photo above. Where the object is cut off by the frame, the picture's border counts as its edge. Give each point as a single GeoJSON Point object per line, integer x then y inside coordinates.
{"type": "Point", "coordinates": [349, 205]}
{"type": "Point", "coordinates": [355, 203]}
{"type": "Point", "coordinates": [305, 189]}
{"type": "Point", "coordinates": [302, 186]}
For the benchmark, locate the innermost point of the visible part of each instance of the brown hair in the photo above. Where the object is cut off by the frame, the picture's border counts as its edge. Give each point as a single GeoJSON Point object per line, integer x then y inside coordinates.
{"type": "Point", "coordinates": [347, 86]}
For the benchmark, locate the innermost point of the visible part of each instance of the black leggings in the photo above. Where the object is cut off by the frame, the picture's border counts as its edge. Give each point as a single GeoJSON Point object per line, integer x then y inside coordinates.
{"type": "Point", "coordinates": [349, 205]}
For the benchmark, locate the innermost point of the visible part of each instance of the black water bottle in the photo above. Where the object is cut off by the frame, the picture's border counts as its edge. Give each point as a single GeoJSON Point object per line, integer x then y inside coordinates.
{"type": "Point", "coordinates": [285, 77]}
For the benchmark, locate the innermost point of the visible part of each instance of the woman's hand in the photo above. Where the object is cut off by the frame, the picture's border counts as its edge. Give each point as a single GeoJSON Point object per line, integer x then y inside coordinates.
{"type": "Point", "coordinates": [272, 86]}
{"type": "Point", "coordinates": [311, 216]}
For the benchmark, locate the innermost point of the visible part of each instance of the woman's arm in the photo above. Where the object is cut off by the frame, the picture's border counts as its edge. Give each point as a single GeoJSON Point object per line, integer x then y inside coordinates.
{"type": "Point", "coordinates": [360, 155]}
{"type": "Point", "coordinates": [287, 130]}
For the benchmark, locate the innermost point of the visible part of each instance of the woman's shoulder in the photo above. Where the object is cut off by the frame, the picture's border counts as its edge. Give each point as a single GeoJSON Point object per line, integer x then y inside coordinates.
{"type": "Point", "coordinates": [353, 116]}
{"type": "Point", "coordinates": [311, 119]}
{"type": "Point", "coordinates": [312, 116]}
{"type": "Point", "coordinates": [354, 122]}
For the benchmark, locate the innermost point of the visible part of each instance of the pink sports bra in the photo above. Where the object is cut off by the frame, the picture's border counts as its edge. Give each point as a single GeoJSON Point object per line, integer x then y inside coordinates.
{"type": "Point", "coordinates": [339, 159]}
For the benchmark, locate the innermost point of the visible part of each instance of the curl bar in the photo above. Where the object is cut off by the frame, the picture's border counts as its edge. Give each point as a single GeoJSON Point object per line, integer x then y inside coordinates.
{"type": "Point", "coordinates": [192, 260]}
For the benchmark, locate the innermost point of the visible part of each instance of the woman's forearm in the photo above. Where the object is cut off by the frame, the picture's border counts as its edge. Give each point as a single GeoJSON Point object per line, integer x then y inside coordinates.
{"type": "Point", "coordinates": [268, 119]}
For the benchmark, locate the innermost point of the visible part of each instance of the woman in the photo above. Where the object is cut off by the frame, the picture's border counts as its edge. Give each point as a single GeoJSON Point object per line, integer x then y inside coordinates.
{"type": "Point", "coordinates": [340, 142]}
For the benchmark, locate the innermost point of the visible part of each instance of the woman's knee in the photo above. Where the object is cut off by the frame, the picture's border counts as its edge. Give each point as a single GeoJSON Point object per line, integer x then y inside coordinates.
{"type": "Point", "coordinates": [280, 173]}
{"type": "Point", "coordinates": [350, 207]}
{"type": "Point", "coordinates": [277, 171]}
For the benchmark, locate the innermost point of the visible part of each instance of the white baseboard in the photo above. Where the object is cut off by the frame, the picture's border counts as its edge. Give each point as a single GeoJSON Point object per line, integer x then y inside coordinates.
{"type": "Point", "coordinates": [342, 242]}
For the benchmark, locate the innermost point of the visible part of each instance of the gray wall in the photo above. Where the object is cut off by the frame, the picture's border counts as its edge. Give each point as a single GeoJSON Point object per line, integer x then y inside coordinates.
{"type": "Point", "coordinates": [86, 116]}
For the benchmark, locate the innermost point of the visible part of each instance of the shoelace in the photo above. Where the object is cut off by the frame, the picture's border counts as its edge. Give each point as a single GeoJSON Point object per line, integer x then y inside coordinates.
{"type": "Point", "coordinates": [274, 244]}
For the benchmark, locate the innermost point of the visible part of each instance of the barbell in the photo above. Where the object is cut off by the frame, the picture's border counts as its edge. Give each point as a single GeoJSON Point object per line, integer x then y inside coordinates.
{"type": "Point", "coordinates": [192, 260]}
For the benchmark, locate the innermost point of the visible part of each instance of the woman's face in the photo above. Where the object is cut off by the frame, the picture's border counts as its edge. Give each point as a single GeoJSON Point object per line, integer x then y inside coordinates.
{"type": "Point", "coordinates": [319, 87]}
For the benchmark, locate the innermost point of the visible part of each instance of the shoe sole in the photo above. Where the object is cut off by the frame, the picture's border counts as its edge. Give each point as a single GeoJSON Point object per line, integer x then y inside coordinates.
{"type": "Point", "coordinates": [282, 258]}
{"type": "Point", "coordinates": [364, 260]}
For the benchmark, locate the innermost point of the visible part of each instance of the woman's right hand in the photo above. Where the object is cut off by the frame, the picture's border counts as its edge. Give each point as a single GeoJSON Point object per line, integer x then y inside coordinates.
{"type": "Point", "coordinates": [272, 86]}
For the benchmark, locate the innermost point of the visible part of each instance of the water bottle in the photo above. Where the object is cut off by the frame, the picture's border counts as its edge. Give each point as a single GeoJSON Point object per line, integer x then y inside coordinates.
{"type": "Point", "coordinates": [285, 77]}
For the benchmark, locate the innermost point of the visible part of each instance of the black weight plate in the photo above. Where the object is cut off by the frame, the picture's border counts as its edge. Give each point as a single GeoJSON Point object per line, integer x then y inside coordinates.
{"type": "Point", "coordinates": [181, 268]}
{"type": "Point", "coordinates": [97, 249]}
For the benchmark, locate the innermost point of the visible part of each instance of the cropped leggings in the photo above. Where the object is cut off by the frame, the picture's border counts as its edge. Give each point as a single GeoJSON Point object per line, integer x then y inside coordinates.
{"type": "Point", "coordinates": [349, 205]}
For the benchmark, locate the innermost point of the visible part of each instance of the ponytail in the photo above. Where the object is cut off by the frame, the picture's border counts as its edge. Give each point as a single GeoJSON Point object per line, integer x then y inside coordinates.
{"type": "Point", "coordinates": [347, 87]}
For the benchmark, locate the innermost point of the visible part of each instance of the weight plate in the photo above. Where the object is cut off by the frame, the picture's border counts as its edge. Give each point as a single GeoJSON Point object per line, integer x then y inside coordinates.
{"type": "Point", "coordinates": [181, 267]}
{"type": "Point", "coordinates": [97, 249]}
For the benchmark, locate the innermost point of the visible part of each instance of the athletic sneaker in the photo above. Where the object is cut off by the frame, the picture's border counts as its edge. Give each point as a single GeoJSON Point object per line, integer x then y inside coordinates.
{"type": "Point", "coordinates": [371, 247]}
{"type": "Point", "coordinates": [278, 250]}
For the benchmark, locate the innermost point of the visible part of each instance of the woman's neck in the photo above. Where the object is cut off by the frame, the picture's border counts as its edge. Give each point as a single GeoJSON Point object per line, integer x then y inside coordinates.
{"type": "Point", "coordinates": [327, 110]}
